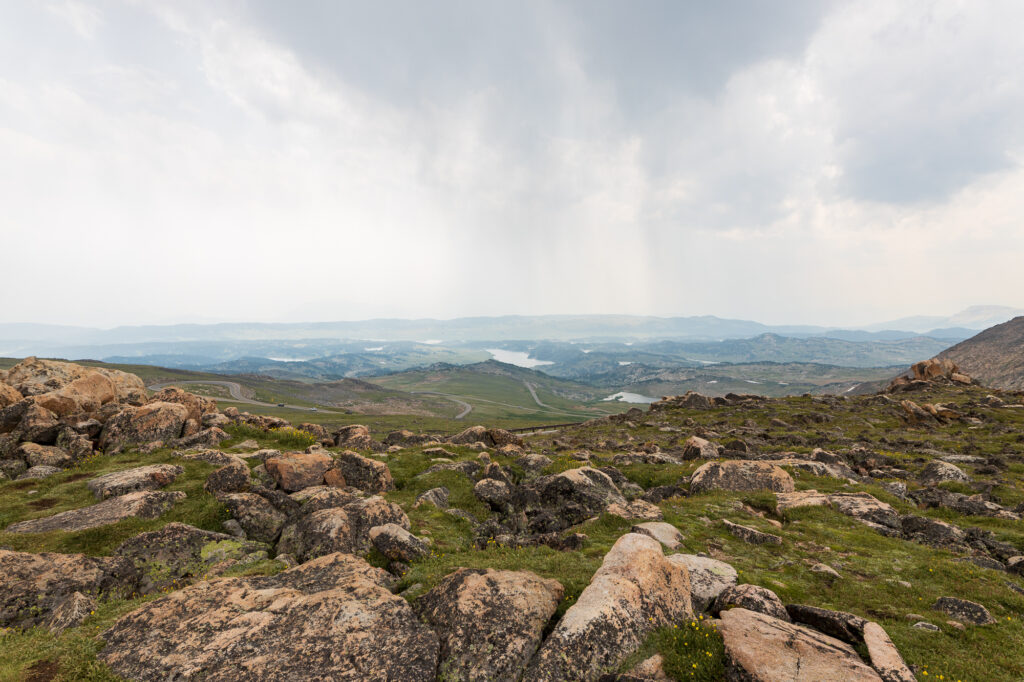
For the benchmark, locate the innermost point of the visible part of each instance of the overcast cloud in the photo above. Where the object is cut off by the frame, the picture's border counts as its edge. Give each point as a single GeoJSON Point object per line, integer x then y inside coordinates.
{"type": "Point", "coordinates": [799, 162]}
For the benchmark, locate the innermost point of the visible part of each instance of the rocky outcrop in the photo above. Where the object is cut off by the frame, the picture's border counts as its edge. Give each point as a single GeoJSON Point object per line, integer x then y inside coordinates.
{"type": "Point", "coordinates": [884, 656]}
{"type": "Point", "coordinates": [937, 471]}
{"type": "Point", "coordinates": [368, 475]}
{"type": "Point", "coordinates": [260, 520]}
{"type": "Point", "coordinates": [331, 618]}
{"type": "Point", "coordinates": [636, 590]}
{"type": "Point", "coordinates": [198, 406]}
{"type": "Point", "coordinates": [66, 388]}
{"type": "Point", "coordinates": [297, 470]}
{"type": "Point", "coordinates": [149, 477]}
{"type": "Point", "coordinates": [696, 447]}
{"type": "Point", "coordinates": [35, 585]}
{"type": "Point", "coordinates": [70, 612]}
{"type": "Point", "coordinates": [316, 532]}
{"type": "Point", "coordinates": [143, 505]}
{"type": "Point", "coordinates": [353, 436]}
{"type": "Point", "coordinates": [490, 622]}
{"type": "Point", "coordinates": [137, 425]}
{"type": "Point", "coordinates": [760, 648]}
{"type": "Point", "coordinates": [554, 503]}
{"type": "Point", "coordinates": [741, 475]}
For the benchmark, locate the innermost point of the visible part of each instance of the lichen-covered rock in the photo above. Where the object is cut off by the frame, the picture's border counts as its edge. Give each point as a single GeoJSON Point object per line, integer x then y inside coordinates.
{"type": "Point", "coordinates": [207, 438]}
{"type": "Point", "coordinates": [752, 598]}
{"type": "Point", "coordinates": [147, 504]}
{"type": "Point", "coordinates": [36, 455]}
{"type": "Point", "coordinates": [41, 471]}
{"type": "Point", "coordinates": [636, 590]}
{"type": "Point", "coordinates": [937, 471]}
{"type": "Point", "coordinates": [636, 510]}
{"type": "Point", "coordinates": [9, 395]}
{"type": "Point", "coordinates": [260, 520]}
{"type": "Point", "coordinates": [474, 434]}
{"type": "Point", "coordinates": [497, 494]}
{"type": "Point", "coordinates": [69, 613]}
{"type": "Point", "coordinates": [37, 424]}
{"type": "Point", "coordinates": [149, 477]}
{"type": "Point", "coordinates": [178, 553]}
{"type": "Point", "coordinates": [317, 532]}
{"type": "Point", "coordinates": [66, 387]}
{"type": "Point", "coordinates": [34, 585]}
{"type": "Point", "coordinates": [353, 436]}
{"type": "Point", "coordinates": [964, 610]}
{"type": "Point", "coordinates": [297, 470]}
{"type": "Point", "coordinates": [708, 578]}
{"type": "Point", "coordinates": [760, 648]}
{"type": "Point", "coordinates": [696, 447]}
{"type": "Point", "coordinates": [331, 618]}
{"type": "Point", "coordinates": [490, 622]}
{"type": "Point", "coordinates": [230, 478]}
{"type": "Point", "coordinates": [198, 406]}
{"type": "Point", "coordinates": [554, 503]}
{"type": "Point", "coordinates": [435, 496]}
{"type": "Point", "coordinates": [397, 543]}
{"type": "Point", "coordinates": [136, 425]}
{"type": "Point", "coordinates": [742, 476]}
{"type": "Point", "coordinates": [364, 473]}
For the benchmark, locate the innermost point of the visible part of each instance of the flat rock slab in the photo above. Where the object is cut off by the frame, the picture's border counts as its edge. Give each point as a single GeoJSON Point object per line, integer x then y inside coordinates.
{"type": "Point", "coordinates": [635, 591]}
{"type": "Point", "coordinates": [490, 622]}
{"type": "Point", "coordinates": [332, 618]}
{"type": "Point", "coordinates": [147, 504]}
{"type": "Point", "coordinates": [884, 656]}
{"type": "Point", "coordinates": [133, 480]}
{"type": "Point", "coordinates": [663, 532]}
{"type": "Point", "coordinates": [751, 535]}
{"type": "Point", "coordinates": [759, 648]}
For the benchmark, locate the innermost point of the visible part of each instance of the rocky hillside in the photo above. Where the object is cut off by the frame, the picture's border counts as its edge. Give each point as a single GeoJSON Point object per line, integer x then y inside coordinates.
{"type": "Point", "coordinates": [995, 356]}
{"type": "Point", "coordinates": [730, 538]}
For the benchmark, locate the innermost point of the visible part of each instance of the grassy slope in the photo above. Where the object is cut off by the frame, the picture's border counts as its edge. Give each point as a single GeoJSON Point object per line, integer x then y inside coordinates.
{"type": "Point", "coordinates": [871, 565]}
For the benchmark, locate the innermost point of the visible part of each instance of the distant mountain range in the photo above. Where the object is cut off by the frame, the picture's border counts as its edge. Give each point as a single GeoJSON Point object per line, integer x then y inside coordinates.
{"type": "Point", "coordinates": [21, 339]}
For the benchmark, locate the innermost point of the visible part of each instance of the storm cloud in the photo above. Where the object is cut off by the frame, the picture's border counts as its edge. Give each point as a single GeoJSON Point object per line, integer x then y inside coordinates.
{"type": "Point", "coordinates": [800, 162]}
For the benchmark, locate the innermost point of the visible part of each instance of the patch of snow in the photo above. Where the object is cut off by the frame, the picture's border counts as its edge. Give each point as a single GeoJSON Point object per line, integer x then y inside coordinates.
{"type": "Point", "coordinates": [375, 348]}
{"type": "Point", "coordinates": [432, 342]}
{"type": "Point", "coordinates": [623, 363]}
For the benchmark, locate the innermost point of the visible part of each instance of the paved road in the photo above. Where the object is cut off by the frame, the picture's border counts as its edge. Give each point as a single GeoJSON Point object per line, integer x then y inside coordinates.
{"type": "Point", "coordinates": [466, 407]}
{"type": "Point", "coordinates": [533, 391]}
{"type": "Point", "coordinates": [235, 391]}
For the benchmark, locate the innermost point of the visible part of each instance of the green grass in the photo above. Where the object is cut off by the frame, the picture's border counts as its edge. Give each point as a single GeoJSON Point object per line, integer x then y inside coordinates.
{"type": "Point", "coordinates": [883, 579]}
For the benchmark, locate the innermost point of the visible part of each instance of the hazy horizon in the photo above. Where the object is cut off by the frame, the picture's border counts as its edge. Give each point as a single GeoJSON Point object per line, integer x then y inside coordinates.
{"type": "Point", "coordinates": [836, 164]}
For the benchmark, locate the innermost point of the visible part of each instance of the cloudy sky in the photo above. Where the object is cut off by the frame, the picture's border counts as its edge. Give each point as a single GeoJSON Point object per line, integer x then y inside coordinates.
{"type": "Point", "coordinates": [797, 162]}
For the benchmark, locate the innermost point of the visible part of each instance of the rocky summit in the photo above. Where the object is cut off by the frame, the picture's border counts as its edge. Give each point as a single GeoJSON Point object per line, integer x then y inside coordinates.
{"type": "Point", "coordinates": [157, 536]}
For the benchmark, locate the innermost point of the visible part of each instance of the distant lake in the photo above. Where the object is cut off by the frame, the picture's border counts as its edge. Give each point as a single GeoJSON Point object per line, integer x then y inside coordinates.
{"type": "Point", "coordinates": [517, 358]}
{"type": "Point", "coordinates": [626, 397]}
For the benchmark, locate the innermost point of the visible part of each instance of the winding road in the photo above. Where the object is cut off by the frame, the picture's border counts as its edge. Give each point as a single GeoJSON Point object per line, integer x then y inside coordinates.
{"type": "Point", "coordinates": [235, 391]}
{"type": "Point", "coordinates": [466, 407]}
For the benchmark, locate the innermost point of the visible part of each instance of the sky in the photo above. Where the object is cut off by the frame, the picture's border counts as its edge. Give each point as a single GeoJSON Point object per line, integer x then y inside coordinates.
{"type": "Point", "coordinates": [796, 162]}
